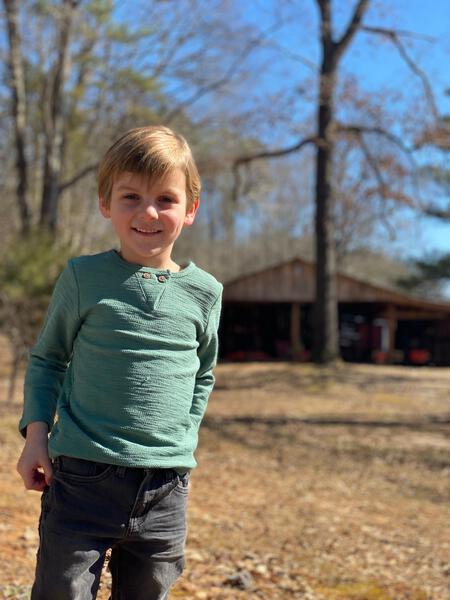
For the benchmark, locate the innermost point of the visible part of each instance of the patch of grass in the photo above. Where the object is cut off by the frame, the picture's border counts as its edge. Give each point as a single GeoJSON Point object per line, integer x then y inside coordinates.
{"type": "Point", "coordinates": [385, 398]}
{"type": "Point", "coordinates": [354, 591]}
{"type": "Point", "coordinates": [15, 592]}
{"type": "Point", "coordinates": [317, 387]}
{"type": "Point", "coordinates": [365, 591]}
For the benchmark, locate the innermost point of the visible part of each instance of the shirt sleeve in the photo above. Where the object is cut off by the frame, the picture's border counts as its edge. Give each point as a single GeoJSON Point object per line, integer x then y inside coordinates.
{"type": "Point", "coordinates": [207, 354]}
{"type": "Point", "coordinates": [50, 356]}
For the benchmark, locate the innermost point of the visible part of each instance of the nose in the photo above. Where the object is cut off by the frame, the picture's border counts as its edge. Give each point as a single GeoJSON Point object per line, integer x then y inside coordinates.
{"type": "Point", "coordinates": [150, 211]}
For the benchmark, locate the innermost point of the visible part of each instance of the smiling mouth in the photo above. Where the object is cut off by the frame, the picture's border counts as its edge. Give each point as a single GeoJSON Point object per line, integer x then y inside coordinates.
{"type": "Point", "coordinates": [148, 232]}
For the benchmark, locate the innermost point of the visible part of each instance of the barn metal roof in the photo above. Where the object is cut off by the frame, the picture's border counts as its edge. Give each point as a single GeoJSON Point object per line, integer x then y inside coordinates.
{"type": "Point", "coordinates": [294, 281]}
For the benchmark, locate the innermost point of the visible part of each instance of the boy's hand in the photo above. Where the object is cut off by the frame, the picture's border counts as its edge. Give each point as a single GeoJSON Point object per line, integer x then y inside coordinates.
{"type": "Point", "coordinates": [35, 457]}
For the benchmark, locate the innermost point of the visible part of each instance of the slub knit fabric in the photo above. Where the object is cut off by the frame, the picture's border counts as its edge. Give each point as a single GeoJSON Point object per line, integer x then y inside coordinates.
{"type": "Point", "coordinates": [125, 359]}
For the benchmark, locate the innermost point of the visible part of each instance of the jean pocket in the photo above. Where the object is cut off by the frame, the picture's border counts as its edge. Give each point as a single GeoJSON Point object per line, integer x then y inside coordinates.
{"type": "Point", "coordinates": [80, 470]}
{"type": "Point", "coordinates": [183, 481]}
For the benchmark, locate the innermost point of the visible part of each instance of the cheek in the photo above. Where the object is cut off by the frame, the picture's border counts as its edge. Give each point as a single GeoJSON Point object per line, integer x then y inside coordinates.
{"type": "Point", "coordinates": [171, 219]}
{"type": "Point", "coordinates": [122, 213]}
{"type": "Point", "coordinates": [119, 222]}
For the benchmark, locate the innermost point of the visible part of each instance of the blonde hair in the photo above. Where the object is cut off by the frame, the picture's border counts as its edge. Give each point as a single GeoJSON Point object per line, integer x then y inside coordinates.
{"type": "Point", "coordinates": [151, 151]}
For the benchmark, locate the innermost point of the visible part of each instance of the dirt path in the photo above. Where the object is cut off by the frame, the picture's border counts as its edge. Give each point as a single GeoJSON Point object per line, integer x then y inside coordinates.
{"type": "Point", "coordinates": [313, 484]}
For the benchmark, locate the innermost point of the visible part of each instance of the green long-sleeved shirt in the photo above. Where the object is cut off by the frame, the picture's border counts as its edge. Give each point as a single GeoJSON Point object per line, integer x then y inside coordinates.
{"type": "Point", "coordinates": [125, 359]}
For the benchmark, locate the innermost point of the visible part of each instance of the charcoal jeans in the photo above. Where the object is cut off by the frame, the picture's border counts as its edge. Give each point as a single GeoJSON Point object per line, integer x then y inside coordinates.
{"type": "Point", "coordinates": [91, 507]}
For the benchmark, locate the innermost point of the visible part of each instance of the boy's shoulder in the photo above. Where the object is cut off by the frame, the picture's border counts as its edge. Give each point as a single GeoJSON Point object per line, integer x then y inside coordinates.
{"type": "Point", "coordinates": [205, 281]}
{"type": "Point", "coordinates": [90, 261]}
{"type": "Point", "coordinates": [87, 268]}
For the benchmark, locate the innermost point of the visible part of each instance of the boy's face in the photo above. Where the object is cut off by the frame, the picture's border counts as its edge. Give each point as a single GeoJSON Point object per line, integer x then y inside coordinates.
{"type": "Point", "coordinates": [149, 218]}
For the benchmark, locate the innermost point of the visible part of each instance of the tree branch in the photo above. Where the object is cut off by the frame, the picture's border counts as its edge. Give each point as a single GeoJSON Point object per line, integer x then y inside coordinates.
{"type": "Point", "coordinates": [297, 57]}
{"type": "Point", "coordinates": [439, 137]}
{"type": "Point", "coordinates": [374, 165]}
{"type": "Point", "coordinates": [358, 130]}
{"type": "Point", "coordinates": [76, 178]}
{"type": "Point", "coordinates": [394, 37]}
{"type": "Point", "coordinates": [325, 22]}
{"type": "Point", "coordinates": [382, 185]}
{"type": "Point", "coordinates": [243, 160]}
{"type": "Point", "coordinates": [276, 153]}
{"type": "Point", "coordinates": [354, 25]}
{"type": "Point", "coordinates": [427, 209]}
{"type": "Point", "coordinates": [438, 213]}
{"type": "Point", "coordinates": [226, 77]}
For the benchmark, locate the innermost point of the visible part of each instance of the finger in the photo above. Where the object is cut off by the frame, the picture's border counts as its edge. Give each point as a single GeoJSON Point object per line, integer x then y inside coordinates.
{"type": "Point", "coordinates": [37, 486]}
{"type": "Point", "coordinates": [33, 480]}
{"type": "Point", "coordinates": [48, 471]}
{"type": "Point", "coordinates": [38, 483]}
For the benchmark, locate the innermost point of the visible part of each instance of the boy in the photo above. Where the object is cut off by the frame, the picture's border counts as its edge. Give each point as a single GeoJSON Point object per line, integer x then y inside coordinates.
{"type": "Point", "coordinates": [125, 357]}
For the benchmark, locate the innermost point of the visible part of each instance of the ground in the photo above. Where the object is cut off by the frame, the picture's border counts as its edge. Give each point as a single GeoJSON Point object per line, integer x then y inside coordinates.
{"type": "Point", "coordinates": [317, 484]}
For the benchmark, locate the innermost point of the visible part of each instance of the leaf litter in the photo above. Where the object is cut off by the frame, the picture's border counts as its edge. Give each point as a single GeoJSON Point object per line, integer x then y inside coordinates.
{"type": "Point", "coordinates": [313, 483]}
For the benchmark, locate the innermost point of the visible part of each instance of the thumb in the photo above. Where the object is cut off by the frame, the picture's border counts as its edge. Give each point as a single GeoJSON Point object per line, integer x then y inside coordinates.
{"type": "Point", "coordinates": [48, 470]}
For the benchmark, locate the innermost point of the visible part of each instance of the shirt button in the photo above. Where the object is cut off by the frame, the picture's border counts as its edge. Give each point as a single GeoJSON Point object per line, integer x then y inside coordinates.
{"type": "Point", "coordinates": [146, 275]}
{"type": "Point", "coordinates": [162, 278]}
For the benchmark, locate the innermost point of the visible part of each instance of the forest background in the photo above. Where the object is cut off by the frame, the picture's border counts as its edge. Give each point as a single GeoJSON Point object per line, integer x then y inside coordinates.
{"type": "Point", "coordinates": [245, 84]}
{"type": "Point", "coordinates": [357, 454]}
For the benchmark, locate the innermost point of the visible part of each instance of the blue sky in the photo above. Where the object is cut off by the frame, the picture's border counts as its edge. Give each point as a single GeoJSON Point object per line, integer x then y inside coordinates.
{"type": "Point", "coordinates": [376, 65]}
{"type": "Point", "coordinates": [430, 19]}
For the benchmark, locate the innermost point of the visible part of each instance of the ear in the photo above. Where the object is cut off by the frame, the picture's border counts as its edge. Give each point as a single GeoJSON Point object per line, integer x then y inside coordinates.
{"type": "Point", "coordinates": [190, 214]}
{"type": "Point", "coordinates": [104, 209]}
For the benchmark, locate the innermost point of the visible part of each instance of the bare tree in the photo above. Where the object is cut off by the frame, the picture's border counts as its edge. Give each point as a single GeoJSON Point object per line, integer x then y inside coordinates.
{"type": "Point", "coordinates": [53, 110]}
{"type": "Point", "coordinates": [99, 75]}
{"type": "Point", "coordinates": [328, 131]}
{"type": "Point", "coordinates": [18, 97]}
{"type": "Point", "coordinates": [54, 115]}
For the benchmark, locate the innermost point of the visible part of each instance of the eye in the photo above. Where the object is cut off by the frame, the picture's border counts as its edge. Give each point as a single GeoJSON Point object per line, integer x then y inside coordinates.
{"type": "Point", "coordinates": [131, 197]}
{"type": "Point", "coordinates": [167, 199]}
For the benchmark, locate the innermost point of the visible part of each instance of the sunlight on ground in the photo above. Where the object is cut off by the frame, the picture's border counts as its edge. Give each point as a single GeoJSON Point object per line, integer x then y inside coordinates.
{"type": "Point", "coordinates": [312, 484]}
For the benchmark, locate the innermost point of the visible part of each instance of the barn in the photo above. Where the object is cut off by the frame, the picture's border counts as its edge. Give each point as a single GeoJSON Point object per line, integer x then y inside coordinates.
{"type": "Point", "coordinates": [268, 315]}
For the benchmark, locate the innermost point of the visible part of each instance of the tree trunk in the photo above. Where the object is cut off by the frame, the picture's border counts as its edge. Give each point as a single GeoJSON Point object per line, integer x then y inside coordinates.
{"type": "Point", "coordinates": [54, 122]}
{"type": "Point", "coordinates": [17, 85]}
{"type": "Point", "coordinates": [326, 339]}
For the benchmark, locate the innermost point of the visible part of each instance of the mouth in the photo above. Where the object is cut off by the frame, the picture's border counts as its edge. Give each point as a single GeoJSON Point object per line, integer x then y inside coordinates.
{"type": "Point", "coordinates": [147, 232]}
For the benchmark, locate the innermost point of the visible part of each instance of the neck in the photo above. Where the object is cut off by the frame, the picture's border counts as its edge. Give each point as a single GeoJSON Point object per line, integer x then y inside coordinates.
{"type": "Point", "coordinates": [169, 265]}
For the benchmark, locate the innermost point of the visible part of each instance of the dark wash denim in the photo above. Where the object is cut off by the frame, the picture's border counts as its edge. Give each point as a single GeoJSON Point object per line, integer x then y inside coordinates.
{"type": "Point", "coordinates": [91, 507]}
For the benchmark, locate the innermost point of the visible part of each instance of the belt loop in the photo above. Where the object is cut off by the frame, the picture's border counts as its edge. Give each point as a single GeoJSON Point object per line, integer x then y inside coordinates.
{"type": "Point", "coordinates": [120, 472]}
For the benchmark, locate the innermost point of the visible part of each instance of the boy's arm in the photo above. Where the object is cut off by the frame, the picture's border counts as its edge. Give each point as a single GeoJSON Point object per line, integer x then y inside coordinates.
{"type": "Point", "coordinates": [207, 354]}
{"type": "Point", "coordinates": [35, 457]}
{"type": "Point", "coordinates": [50, 356]}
